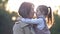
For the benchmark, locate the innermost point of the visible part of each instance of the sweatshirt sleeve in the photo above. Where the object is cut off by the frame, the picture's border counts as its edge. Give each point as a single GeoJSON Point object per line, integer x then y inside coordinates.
{"type": "Point", "coordinates": [32, 21]}
{"type": "Point", "coordinates": [38, 21]}
{"type": "Point", "coordinates": [41, 25]}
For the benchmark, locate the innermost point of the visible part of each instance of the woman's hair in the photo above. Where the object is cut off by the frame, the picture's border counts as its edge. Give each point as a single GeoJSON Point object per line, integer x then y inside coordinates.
{"type": "Point", "coordinates": [47, 12]}
{"type": "Point", "coordinates": [25, 9]}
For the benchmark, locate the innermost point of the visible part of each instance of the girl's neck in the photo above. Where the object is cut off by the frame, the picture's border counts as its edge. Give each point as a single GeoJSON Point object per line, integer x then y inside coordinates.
{"type": "Point", "coordinates": [42, 16]}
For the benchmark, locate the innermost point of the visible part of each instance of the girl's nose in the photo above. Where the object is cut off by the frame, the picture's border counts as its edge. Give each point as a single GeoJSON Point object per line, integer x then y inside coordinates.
{"type": "Point", "coordinates": [34, 11]}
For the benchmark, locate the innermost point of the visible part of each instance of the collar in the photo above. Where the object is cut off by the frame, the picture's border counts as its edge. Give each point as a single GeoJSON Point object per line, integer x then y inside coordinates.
{"type": "Point", "coordinates": [41, 16]}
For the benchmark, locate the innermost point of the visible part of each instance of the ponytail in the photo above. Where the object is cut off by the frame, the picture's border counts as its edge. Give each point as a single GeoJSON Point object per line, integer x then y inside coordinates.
{"type": "Point", "coordinates": [49, 15]}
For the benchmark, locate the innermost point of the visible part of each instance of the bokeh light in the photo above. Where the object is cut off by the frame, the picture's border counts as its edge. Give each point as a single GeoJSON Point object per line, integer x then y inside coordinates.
{"type": "Point", "coordinates": [13, 18]}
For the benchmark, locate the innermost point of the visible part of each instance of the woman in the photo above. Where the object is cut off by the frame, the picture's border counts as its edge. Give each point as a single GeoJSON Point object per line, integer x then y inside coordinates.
{"type": "Point", "coordinates": [26, 10]}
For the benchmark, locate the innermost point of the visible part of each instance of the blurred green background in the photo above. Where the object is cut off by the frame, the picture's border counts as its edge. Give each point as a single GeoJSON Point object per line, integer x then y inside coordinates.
{"type": "Point", "coordinates": [6, 22]}
{"type": "Point", "coordinates": [56, 27]}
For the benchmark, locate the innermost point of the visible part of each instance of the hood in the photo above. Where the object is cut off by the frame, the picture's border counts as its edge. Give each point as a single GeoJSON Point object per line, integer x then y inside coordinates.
{"type": "Point", "coordinates": [18, 21]}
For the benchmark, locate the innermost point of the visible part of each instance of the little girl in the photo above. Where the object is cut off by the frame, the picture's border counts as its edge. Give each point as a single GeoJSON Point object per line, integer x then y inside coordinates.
{"type": "Point", "coordinates": [41, 26]}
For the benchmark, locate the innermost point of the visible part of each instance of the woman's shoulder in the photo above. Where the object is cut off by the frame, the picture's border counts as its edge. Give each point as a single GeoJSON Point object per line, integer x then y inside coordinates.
{"type": "Point", "coordinates": [18, 21]}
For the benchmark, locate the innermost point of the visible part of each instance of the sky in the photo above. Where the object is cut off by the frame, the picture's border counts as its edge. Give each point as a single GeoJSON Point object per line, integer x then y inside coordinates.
{"type": "Point", "coordinates": [13, 5]}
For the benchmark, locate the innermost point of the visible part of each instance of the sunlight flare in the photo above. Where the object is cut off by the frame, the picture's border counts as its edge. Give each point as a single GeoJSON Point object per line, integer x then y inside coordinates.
{"type": "Point", "coordinates": [13, 18]}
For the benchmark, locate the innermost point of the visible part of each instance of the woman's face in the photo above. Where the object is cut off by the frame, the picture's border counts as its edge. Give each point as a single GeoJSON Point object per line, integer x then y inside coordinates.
{"type": "Point", "coordinates": [32, 12]}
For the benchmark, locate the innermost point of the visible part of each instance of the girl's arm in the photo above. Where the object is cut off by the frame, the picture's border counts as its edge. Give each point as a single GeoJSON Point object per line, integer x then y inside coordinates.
{"type": "Point", "coordinates": [41, 25]}
{"type": "Point", "coordinates": [32, 21]}
{"type": "Point", "coordinates": [38, 21]}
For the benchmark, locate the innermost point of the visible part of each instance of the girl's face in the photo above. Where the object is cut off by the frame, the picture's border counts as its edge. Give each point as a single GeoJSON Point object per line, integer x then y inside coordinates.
{"type": "Point", "coordinates": [32, 12]}
{"type": "Point", "coordinates": [38, 13]}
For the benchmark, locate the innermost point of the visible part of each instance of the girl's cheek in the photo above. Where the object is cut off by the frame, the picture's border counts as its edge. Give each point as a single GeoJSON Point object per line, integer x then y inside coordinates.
{"type": "Point", "coordinates": [36, 13]}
